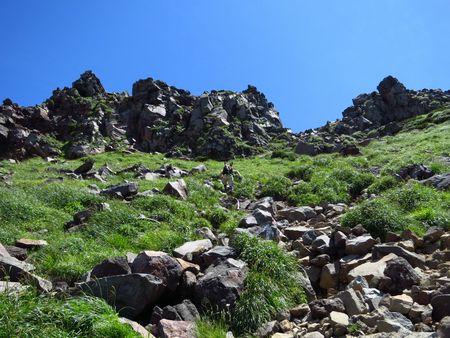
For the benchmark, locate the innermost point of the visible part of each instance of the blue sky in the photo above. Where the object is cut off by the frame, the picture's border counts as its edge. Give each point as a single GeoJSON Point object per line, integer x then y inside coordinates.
{"type": "Point", "coordinates": [309, 57]}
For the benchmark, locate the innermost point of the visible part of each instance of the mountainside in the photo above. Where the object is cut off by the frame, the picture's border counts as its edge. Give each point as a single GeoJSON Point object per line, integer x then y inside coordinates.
{"type": "Point", "coordinates": [115, 221]}
{"type": "Point", "coordinates": [374, 115]}
{"type": "Point", "coordinates": [156, 117]}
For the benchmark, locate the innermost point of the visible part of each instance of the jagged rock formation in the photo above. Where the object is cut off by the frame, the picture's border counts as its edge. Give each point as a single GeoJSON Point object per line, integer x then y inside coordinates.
{"type": "Point", "coordinates": [372, 115]}
{"type": "Point", "coordinates": [157, 117]}
{"type": "Point", "coordinates": [220, 124]}
{"type": "Point", "coordinates": [78, 116]}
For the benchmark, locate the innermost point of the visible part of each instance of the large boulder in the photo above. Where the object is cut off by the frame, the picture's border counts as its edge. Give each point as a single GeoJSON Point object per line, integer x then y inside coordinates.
{"type": "Point", "coordinates": [221, 284]}
{"type": "Point", "coordinates": [401, 276]}
{"type": "Point", "coordinates": [440, 182]}
{"type": "Point", "coordinates": [161, 265]}
{"type": "Point", "coordinates": [359, 245]}
{"type": "Point", "coordinates": [297, 214]}
{"type": "Point", "coordinates": [130, 294]}
{"type": "Point", "coordinates": [414, 259]}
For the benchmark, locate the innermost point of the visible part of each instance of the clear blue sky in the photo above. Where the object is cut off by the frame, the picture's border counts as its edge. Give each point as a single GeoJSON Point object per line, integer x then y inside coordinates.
{"type": "Point", "coordinates": [309, 57]}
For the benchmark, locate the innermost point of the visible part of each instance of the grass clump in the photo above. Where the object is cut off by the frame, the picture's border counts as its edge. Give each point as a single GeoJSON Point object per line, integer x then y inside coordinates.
{"type": "Point", "coordinates": [270, 285]}
{"type": "Point", "coordinates": [29, 315]}
{"type": "Point", "coordinates": [412, 206]}
{"type": "Point", "coordinates": [277, 187]}
{"type": "Point", "coordinates": [376, 216]}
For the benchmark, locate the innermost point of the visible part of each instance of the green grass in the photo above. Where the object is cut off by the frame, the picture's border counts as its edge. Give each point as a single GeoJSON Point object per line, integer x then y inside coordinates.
{"type": "Point", "coordinates": [30, 315]}
{"type": "Point", "coordinates": [33, 208]}
{"type": "Point", "coordinates": [270, 285]}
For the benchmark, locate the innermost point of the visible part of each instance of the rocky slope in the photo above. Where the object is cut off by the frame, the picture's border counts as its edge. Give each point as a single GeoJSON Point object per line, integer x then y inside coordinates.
{"type": "Point", "coordinates": [372, 116]}
{"type": "Point", "coordinates": [156, 117]}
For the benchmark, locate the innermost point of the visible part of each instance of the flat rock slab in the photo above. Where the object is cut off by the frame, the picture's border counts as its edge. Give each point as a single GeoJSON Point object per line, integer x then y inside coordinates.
{"type": "Point", "coordinates": [414, 259]}
{"type": "Point", "coordinates": [370, 270]}
{"type": "Point", "coordinates": [295, 232]}
{"type": "Point", "coordinates": [27, 243]}
{"type": "Point", "coordinates": [191, 250]}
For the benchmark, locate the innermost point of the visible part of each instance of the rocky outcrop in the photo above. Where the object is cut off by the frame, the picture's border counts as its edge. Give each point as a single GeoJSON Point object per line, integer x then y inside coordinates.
{"type": "Point", "coordinates": [156, 117]}
{"type": "Point", "coordinates": [219, 124]}
{"type": "Point", "coordinates": [371, 115]}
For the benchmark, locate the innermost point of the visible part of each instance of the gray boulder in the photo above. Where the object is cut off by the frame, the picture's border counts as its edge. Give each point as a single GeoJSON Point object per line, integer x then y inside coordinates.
{"type": "Point", "coordinates": [177, 189]}
{"type": "Point", "coordinates": [221, 284]}
{"type": "Point", "coordinates": [297, 214]}
{"type": "Point", "coordinates": [161, 265]}
{"type": "Point", "coordinates": [130, 294]}
{"type": "Point", "coordinates": [401, 276]}
{"type": "Point", "coordinates": [124, 190]}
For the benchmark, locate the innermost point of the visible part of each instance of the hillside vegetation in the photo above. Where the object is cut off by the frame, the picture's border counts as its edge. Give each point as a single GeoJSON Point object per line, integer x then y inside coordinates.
{"type": "Point", "coordinates": [37, 199]}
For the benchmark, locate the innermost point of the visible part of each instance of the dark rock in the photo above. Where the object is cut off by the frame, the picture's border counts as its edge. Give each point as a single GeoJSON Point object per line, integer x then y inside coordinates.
{"type": "Point", "coordinates": [130, 294]}
{"type": "Point", "coordinates": [402, 276]}
{"type": "Point", "coordinates": [322, 307]}
{"type": "Point", "coordinates": [221, 285]}
{"type": "Point", "coordinates": [187, 310]}
{"type": "Point", "coordinates": [177, 189]}
{"type": "Point", "coordinates": [111, 267]}
{"type": "Point", "coordinates": [161, 265]}
{"type": "Point", "coordinates": [433, 234]}
{"type": "Point", "coordinates": [350, 150]}
{"type": "Point", "coordinates": [415, 171]}
{"type": "Point", "coordinates": [16, 252]}
{"type": "Point", "coordinates": [84, 168]}
{"type": "Point", "coordinates": [218, 252]}
{"type": "Point", "coordinates": [88, 85]}
{"type": "Point", "coordinates": [124, 190]}
{"type": "Point", "coordinates": [297, 214]}
{"type": "Point", "coordinates": [440, 182]}
{"type": "Point", "coordinates": [321, 244]}
{"type": "Point", "coordinates": [441, 306]}
{"type": "Point", "coordinates": [414, 259]}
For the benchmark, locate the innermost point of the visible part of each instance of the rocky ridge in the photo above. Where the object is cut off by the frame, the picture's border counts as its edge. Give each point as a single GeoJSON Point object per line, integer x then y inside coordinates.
{"type": "Point", "coordinates": [85, 119]}
{"type": "Point", "coordinates": [372, 116]}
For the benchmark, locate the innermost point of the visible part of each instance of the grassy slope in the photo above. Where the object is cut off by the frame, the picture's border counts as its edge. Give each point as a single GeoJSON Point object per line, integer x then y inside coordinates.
{"type": "Point", "coordinates": [31, 205]}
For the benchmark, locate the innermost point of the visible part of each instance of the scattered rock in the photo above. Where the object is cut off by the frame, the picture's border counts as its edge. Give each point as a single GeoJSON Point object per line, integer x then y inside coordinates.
{"type": "Point", "coordinates": [26, 243]}
{"type": "Point", "coordinates": [359, 245]}
{"type": "Point", "coordinates": [125, 190]}
{"type": "Point", "coordinates": [177, 189]}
